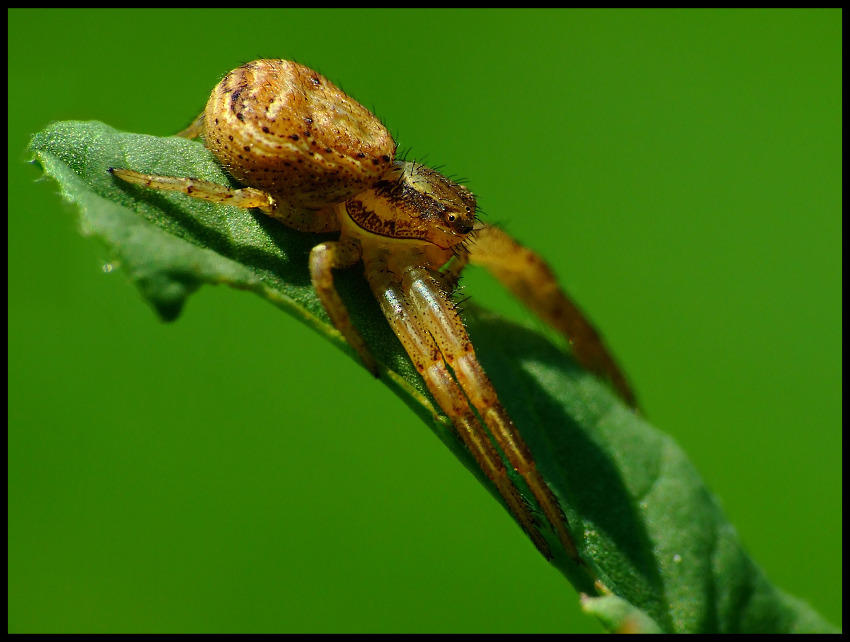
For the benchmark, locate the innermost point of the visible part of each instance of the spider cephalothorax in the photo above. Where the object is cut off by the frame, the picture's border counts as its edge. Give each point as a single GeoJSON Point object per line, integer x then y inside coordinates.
{"type": "Point", "coordinates": [412, 201]}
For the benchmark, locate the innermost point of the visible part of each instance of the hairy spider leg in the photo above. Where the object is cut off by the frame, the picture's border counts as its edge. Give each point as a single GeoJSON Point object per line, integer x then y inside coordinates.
{"type": "Point", "coordinates": [303, 220]}
{"type": "Point", "coordinates": [443, 323]}
{"type": "Point", "coordinates": [428, 360]}
{"type": "Point", "coordinates": [525, 274]}
{"type": "Point", "coordinates": [324, 258]}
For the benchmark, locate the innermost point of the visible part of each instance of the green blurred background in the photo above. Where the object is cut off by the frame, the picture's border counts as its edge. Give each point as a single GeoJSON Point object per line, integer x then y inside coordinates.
{"type": "Point", "coordinates": [235, 472]}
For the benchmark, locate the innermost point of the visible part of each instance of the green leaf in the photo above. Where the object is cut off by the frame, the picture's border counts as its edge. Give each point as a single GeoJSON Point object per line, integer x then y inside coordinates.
{"type": "Point", "coordinates": [659, 553]}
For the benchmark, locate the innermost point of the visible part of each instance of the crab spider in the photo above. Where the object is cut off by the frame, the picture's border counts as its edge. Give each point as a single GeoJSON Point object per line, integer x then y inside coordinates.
{"type": "Point", "coordinates": [317, 161]}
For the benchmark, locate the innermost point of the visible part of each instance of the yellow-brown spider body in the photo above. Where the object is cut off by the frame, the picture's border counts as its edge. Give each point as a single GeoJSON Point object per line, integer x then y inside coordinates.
{"type": "Point", "coordinates": [318, 161]}
{"type": "Point", "coordinates": [285, 129]}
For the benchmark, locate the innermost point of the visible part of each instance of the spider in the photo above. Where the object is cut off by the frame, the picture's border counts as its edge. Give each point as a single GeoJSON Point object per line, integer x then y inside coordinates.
{"type": "Point", "coordinates": [314, 159]}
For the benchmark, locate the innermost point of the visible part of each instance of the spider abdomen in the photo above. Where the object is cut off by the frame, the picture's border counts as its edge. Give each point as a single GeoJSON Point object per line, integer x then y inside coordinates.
{"type": "Point", "coordinates": [281, 127]}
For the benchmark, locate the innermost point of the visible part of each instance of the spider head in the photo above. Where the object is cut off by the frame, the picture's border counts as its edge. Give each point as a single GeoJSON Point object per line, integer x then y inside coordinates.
{"type": "Point", "coordinates": [412, 201]}
{"type": "Point", "coordinates": [445, 208]}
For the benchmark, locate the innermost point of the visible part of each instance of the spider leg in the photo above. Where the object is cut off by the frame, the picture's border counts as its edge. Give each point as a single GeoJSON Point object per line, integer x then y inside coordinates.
{"type": "Point", "coordinates": [246, 197]}
{"type": "Point", "coordinates": [324, 258]}
{"type": "Point", "coordinates": [449, 275]}
{"type": "Point", "coordinates": [532, 281]}
{"type": "Point", "coordinates": [426, 356]}
{"type": "Point", "coordinates": [445, 326]}
{"type": "Point", "coordinates": [195, 129]}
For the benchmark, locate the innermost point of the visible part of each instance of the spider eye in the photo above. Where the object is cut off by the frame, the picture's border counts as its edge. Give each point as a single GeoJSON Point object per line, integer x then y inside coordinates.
{"type": "Point", "coordinates": [451, 218]}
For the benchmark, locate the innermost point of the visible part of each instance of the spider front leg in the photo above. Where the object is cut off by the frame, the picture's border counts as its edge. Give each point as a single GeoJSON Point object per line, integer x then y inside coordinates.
{"type": "Point", "coordinates": [532, 281]}
{"type": "Point", "coordinates": [425, 354]}
{"type": "Point", "coordinates": [443, 322]}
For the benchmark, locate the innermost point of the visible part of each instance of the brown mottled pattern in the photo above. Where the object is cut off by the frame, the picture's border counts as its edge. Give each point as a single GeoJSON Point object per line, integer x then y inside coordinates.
{"type": "Point", "coordinates": [279, 126]}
